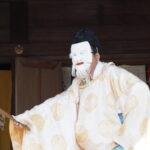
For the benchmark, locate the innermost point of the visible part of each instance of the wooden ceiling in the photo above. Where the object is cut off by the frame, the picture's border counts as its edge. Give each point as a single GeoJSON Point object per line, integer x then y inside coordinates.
{"type": "Point", "coordinates": [46, 27]}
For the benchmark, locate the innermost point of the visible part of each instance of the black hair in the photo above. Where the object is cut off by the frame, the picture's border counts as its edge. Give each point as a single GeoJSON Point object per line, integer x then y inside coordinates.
{"type": "Point", "coordinates": [84, 34]}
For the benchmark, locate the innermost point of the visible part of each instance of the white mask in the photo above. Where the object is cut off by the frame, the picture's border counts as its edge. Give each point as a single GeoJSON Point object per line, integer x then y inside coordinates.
{"type": "Point", "coordinates": [81, 55]}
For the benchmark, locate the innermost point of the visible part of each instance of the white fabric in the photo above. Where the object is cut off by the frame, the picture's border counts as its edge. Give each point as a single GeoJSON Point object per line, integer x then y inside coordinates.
{"type": "Point", "coordinates": [86, 115]}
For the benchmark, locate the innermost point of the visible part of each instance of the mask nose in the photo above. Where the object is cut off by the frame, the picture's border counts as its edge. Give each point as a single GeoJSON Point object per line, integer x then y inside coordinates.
{"type": "Point", "coordinates": [77, 59]}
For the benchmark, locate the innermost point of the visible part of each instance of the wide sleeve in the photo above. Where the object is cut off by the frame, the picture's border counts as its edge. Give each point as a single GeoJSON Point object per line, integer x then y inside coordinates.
{"type": "Point", "coordinates": [49, 115]}
{"type": "Point", "coordinates": [34, 118]}
{"type": "Point", "coordinates": [133, 95]}
{"type": "Point", "coordinates": [71, 94]}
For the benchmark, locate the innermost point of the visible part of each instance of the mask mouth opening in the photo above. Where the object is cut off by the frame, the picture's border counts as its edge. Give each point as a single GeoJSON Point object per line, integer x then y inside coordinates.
{"type": "Point", "coordinates": [80, 63]}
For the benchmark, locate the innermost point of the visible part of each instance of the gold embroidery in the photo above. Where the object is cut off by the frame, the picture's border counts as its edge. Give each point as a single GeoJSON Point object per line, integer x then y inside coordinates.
{"type": "Point", "coordinates": [105, 128]}
{"type": "Point", "coordinates": [143, 126]}
{"type": "Point", "coordinates": [81, 134]}
{"type": "Point", "coordinates": [58, 111]}
{"type": "Point", "coordinates": [110, 102]}
{"type": "Point", "coordinates": [115, 88]}
{"type": "Point", "coordinates": [130, 148]}
{"type": "Point", "coordinates": [91, 102]}
{"type": "Point", "coordinates": [58, 142]}
{"type": "Point", "coordinates": [131, 104]}
{"type": "Point", "coordinates": [38, 121]}
{"type": "Point", "coordinates": [71, 91]}
{"type": "Point", "coordinates": [122, 130]}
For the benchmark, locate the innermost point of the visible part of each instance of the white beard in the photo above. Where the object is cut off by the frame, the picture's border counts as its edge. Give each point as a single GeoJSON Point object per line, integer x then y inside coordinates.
{"type": "Point", "coordinates": [82, 71]}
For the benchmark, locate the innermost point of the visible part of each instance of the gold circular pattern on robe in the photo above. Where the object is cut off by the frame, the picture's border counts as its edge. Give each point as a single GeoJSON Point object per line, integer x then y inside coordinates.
{"type": "Point", "coordinates": [58, 111]}
{"type": "Point", "coordinates": [131, 80]}
{"type": "Point", "coordinates": [35, 146]}
{"type": "Point", "coordinates": [109, 100]}
{"type": "Point", "coordinates": [71, 92]}
{"type": "Point", "coordinates": [143, 126]}
{"type": "Point", "coordinates": [131, 104]}
{"type": "Point", "coordinates": [38, 121]}
{"type": "Point", "coordinates": [112, 106]}
{"type": "Point", "coordinates": [58, 142]}
{"type": "Point", "coordinates": [91, 102]}
{"type": "Point", "coordinates": [105, 128]}
{"type": "Point", "coordinates": [122, 130]}
{"type": "Point", "coordinates": [81, 134]}
{"type": "Point", "coordinates": [130, 148]}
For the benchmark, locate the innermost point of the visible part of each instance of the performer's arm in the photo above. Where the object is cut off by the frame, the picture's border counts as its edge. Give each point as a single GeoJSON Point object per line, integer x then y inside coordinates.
{"type": "Point", "coordinates": [28, 117]}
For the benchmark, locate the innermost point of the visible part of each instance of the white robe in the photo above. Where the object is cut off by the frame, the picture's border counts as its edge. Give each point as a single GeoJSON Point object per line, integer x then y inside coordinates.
{"type": "Point", "coordinates": [85, 116]}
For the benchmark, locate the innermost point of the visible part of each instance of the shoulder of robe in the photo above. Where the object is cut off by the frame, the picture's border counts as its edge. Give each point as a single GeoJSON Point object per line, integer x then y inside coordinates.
{"type": "Point", "coordinates": [113, 67]}
{"type": "Point", "coordinates": [109, 65]}
{"type": "Point", "coordinates": [129, 77]}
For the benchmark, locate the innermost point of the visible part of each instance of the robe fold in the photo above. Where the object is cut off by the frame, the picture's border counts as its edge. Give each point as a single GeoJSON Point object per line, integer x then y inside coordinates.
{"type": "Point", "coordinates": [85, 116]}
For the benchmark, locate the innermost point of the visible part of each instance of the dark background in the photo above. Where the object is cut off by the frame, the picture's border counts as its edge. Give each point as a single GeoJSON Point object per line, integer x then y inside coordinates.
{"type": "Point", "coordinates": [46, 27]}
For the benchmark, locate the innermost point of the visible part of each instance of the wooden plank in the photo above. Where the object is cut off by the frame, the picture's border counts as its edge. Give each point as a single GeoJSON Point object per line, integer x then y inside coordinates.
{"type": "Point", "coordinates": [125, 46]}
{"type": "Point", "coordinates": [63, 47]}
{"type": "Point", "coordinates": [109, 32]}
{"type": "Point", "coordinates": [4, 15]}
{"type": "Point", "coordinates": [4, 35]}
{"type": "Point", "coordinates": [59, 52]}
{"type": "Point", "coordinates": [19, 21]}
{"type": "Point", "coordinates": [122, 27]}
{"type": "Point", "coordinates": [4, 21]}
{"type": "Point", "coordinates": [88, 12]}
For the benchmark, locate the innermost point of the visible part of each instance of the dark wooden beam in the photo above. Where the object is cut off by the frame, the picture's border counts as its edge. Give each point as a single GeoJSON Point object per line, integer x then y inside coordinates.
{"type": "Point", "coordinates": [45, 28]}
{"type": "Point", "coordinates": [4, 21]}
{"type": "Point", "coordinates": [19, 21]}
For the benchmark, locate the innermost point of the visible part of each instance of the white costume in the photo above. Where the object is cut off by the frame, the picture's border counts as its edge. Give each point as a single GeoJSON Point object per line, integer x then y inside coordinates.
{"type": "Point", "coordinates": [85, 116]}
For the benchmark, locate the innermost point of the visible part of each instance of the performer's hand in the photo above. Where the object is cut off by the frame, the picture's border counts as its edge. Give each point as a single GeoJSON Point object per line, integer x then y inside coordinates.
{"type": "Point", "coordinates": [118, 148]}
{"type": "Point", "coordinates": [18, 124]}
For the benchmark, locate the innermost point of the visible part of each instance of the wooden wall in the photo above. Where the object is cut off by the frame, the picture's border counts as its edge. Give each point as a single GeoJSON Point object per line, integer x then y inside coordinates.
{"type": "Point", "coordinates": [46, 27]}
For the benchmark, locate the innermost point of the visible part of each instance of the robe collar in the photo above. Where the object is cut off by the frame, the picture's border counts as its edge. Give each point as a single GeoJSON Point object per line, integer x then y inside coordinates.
{"type": "Point", "coordinates": [97, 71]}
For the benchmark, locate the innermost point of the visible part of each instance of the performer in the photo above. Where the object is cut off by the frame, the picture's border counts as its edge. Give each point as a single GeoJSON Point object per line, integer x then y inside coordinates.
{"type": "Point", "coordinates": [105, 108]}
